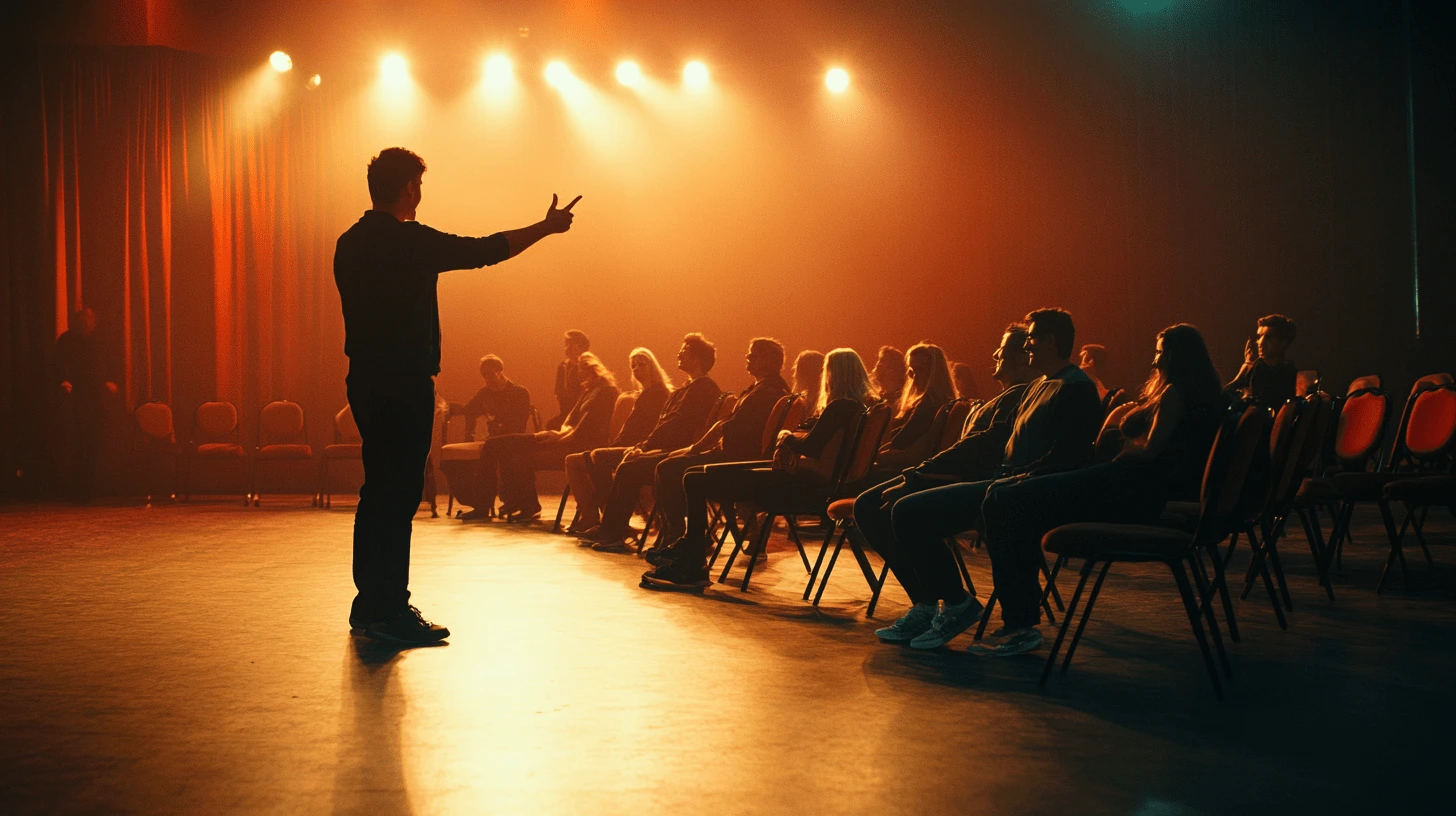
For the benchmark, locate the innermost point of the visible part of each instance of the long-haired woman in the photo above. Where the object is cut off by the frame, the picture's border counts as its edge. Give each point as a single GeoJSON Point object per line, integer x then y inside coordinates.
{"type": "Point", "coordinates": [928, 389]}
{"type": "Point", "coordinates": [809, 378]}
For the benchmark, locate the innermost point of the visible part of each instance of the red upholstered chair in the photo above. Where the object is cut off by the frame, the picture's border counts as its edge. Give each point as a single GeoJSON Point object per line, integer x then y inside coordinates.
{"type": "Point", "coordinates": [214, 440]}
{"type": "Point", "coordinates": [1306, 382]}
{"type": "Point", "coordinates": [348, 446]}
{"type": "Point", "coordinates": [159, 444]}
{"type": "Point", "coordinates": [282, 437]}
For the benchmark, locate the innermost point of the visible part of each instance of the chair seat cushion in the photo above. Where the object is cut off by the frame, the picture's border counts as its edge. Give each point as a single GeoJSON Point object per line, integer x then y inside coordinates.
{"type": "Point", "coordinates": [220, 449]}
{"type": "Point", "coordinates": [285, 452]}
{"type": "Point", "coordinates": [1361, 485]}
{"type": "Point", "coordinates": [1317, 490]}
{"type": "Point", "coordinates": [1087, 539]}
{"type": "Point", "coordinates": [461, 450]}
{"type": "Point", "coordinates": [841, 509]}
{"type": "Point", "coordinates": [1427, 490]}
{"type": "Point", "coordinates": [343, 450]}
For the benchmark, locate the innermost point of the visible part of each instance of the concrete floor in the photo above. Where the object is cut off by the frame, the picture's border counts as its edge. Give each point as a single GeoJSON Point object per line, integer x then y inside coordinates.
{"type": "Point", "coordinates": [195, 659]}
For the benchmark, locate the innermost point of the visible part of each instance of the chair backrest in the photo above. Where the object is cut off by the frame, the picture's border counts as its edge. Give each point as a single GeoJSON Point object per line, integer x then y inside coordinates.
{"type": "Point", "coordinates": [626, 401]}
{"type": "Point", "coordinates": [215, 422]}
{"type": "Point", "coordinates": [865, 444]}
{"type": "Point", "coordinates": [1362, 383]}
{"type": "Point", "coordinates": [1309, 433]}
{"type": "Point", "coordinates": [1432, 424]}
{"type": "Point", "coordinates": [775, 422]}
{"type": "Point", "coordinates": [1306, 382]}
{"type": "Point", "coordinates": [938, 423]}
{"type": "Point", "coordinates": [1286, 439]}
{"type": "Point", "coordinates": [722, 410]}
{"type": "Point", "coordinates": [346, 430]}
{"type": "Point", "coordinates": [795, 417]}
{"type": "Point", "coordinates": [280, 422]}
{"type": "Point", "coordinates": [1242, 437]}
{"type": "Point", "coordinates": [1361, 426]}
{"type": "Point", "coordinates": [1112, 399]}
{"type": "Point", "coordinates": [955, 424]}
{"type": "Point", "coordinates": [154, 419]}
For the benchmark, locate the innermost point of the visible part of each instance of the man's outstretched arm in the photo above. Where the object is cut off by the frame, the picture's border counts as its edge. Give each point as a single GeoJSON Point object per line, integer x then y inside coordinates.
{"type": "Point", "coordinates": [556, 220]}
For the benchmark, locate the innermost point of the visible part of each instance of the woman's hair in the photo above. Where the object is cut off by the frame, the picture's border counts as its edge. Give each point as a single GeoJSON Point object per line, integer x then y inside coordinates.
{"type": "Point", "coordinates": [809, 376]}
{"type": "Point", "coordinates": [591, 361]}
{"type": "Point", "coordinates": [963, 374]}
{"type": "Point", "coordinates": [845, 377]}
{"type": "Point", "coordinates": [1185, 364]}
{"type": "Point", "coordinates": [932, 383]}
{"type": "Point", "coordinates": [656, 375]}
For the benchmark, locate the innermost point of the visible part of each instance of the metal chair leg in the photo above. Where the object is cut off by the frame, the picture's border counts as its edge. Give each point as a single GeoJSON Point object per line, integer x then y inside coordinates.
{"type": "Point", "coordinates": [1086, 613]}
{"type": "Point", "coordinates": [1181, 577]}
{"type": "Point", "coordinates": [1051, 660]}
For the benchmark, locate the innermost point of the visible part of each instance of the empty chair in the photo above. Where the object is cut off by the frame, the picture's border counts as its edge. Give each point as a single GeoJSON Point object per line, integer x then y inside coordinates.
{"type": "Point", "coordinates": [159, 444]}
{"type": "Point", "coordinates": [347, 447]}
{"type": "Point", "coordinates": [215, 441]}
{"type": "Point", "coordinates": [282, 437]}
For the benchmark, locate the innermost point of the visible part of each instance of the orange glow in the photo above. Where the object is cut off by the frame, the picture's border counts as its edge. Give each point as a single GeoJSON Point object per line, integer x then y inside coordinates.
{"type": "Point", "coordinates": [558, 75]}
{"type": "Point", "coordinates": [280, 61]}
{"type": "Point", "coordinates": [836, 80]}
{"type": "Point", "coordinates": [629, 74]}
{"type": "Point", "coordinates": [499, 73]}
{"type": "Point", "coordinates": [695, 75]}
{"type": "Point", "coordinates": [394, 70]}
{"type": "Point", "coordinates": [315, 81]}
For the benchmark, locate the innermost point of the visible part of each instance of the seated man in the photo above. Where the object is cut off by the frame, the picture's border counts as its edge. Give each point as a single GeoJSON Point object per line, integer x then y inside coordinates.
{"type": "Point", "coordinates": [621, 473]}
{"type": "Point", "coordinates": [1267, 377]}
{"type": "Point", "coordinates": [1055, 426]}
{"type": "Point", "coordinates": [738, 438]}
{"type": "Point", "coordinates": [505, 405]}
{"type": "Point", "coordinates": [1093, 362]}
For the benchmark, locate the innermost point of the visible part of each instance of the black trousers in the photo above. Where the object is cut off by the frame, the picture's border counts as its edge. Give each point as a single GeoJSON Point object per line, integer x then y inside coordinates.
{"type": "Point", "coordinates": [671, 497]}
{"type": "Point", "coordinates": [88, 417]}
{"type": "Point", "coordinates": [395, 420]}
{"type": "Point", "coordinates": [731, 485]}
{"type": "Point", "coordinates": [628, 479]}
{"type": "Point", "coordinates": [911, 535]}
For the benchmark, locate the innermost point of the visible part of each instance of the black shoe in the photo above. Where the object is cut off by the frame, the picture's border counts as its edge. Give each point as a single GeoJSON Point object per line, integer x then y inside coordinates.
{"type": "Point", "coordinates": [679, 575]}
{"type": "Point", "coordinates": [657, 556]}
{"type": "Point", "coordinates": [407, 626]}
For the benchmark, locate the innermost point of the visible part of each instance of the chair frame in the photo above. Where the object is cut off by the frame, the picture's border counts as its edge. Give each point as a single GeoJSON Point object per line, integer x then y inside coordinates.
{"type": "Point", "coordinates": [157, 447]}
{"type": "Point", "coordinates": [253, 461]}
{"type": "Point", "coordinates": [191, 450]}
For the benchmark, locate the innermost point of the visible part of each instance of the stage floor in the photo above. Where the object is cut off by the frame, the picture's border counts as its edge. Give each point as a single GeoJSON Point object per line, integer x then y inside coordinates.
{"type": "Point", "coordinates": [196, 659]}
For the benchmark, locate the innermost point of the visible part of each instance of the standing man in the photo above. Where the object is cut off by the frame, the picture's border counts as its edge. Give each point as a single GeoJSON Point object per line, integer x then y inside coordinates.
{"type": "Point", "coordinates": [568, 379]}
{"type": "Point", "coordinates": [385, 267]}
{"type": "Point", "coordinates": [79, 371]}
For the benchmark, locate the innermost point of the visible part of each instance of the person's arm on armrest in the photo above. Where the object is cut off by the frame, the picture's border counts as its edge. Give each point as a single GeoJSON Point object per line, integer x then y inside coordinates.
{"type": "Point", "coordinates": [556, 220]}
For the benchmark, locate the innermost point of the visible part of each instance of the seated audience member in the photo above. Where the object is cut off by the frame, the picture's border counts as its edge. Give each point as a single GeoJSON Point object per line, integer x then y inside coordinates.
{"type": "Point", "coordinates": [513, 455]}
{"type": "Point", "coordinates": [808, 379]}
{"type": "Point", "coordinates": [568, 382]}
{"type": "Point", "coordinates": [1166, 436]}
{"type": "Point", "coordinates": [653, 387]}
{"type": "Point", "coordinates": [1093, 361]}
{"type": "Point", "coordinates": [927, 391]}
{"type": "Point", "coordinates": [802, 466]}
{"type": "Point", "coordinates": [1055, 426]}
{"type": "Point", "coordinates": [889, 374]}
{"type": "Point", "coordinates": [963, 377]}
{"type": "Point", "coordinates": [620, 473]}
{"type": "Point", "coordinates": [505, 405]}
{"type": "Point", "coordinates": [737, 438]}
{"type": "Point", "coordinates": [1267, 377]}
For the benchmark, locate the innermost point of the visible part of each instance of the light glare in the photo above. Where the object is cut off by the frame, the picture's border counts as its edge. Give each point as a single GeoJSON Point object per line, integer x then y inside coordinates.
{"type": "Point", "coordinates": [695, 75]}
{"type": "Point", "coordinates": [315, 80]}
{"type": "Point", "coordinates": [836, 80]}
{"type": "Point", "coordinates": [280, 61]}
{"type": "Point", "coordinates": [629, 74]}
{"type": "Point", "coordinates": [394, 69]}
{"type": "Point", "coordinates": [557, 74]}
{"type": "Point", "coordinates": [498, 71]}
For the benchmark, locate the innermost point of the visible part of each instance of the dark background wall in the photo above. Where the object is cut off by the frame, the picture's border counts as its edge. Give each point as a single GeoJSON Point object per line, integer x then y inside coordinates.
{"type": "Point", "coordinates": [1139, 163]}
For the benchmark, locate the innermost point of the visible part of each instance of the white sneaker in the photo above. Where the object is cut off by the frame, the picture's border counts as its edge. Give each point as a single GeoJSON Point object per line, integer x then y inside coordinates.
{"type": "Point", "coordinates": [907, 628]}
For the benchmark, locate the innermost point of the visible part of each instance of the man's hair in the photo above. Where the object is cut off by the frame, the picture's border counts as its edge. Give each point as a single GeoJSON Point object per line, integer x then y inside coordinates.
{"type": "Point", "coordinates": [1097, 352]}
{"type": "Point", "coordinates": [705, 352]}
{"type": "Point", "coordinates": [1018, 332]}
{"type": "Point", "coordinates": [772, 350]}
{"type": "Point", "coordinates": [390, 172]}
{"type": "Point", "coordinates": [1279, 326]}
{"type": "Point", "coordinates": [1059, 323]}
{"type": "Point", "coordinates": [493, 362]}
{"type": "Point", "coordinates": [579, 337]}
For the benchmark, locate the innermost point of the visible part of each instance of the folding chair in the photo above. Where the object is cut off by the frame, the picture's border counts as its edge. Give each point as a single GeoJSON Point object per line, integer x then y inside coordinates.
{"type": "Point", "coordinates": [282, 437]}
{"type": "Point", "coordinates": [215, 438]}
{"type": "Point", "coordinates": [348, 446]}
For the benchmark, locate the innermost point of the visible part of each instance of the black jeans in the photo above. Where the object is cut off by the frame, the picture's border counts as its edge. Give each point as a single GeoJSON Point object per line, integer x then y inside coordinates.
{"type": "Point", "coordinates": [395, 420]}
{"type": "Point", "coordinates": [911, 535]}
{"type": "Point", "coordinates": [671, 497]}
{"type": "Point", "coordinates": [627, 482]}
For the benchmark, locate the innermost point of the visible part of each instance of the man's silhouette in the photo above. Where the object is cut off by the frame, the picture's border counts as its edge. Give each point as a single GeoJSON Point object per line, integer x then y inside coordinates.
{"type": "Point", "coordinates": [79, 372]}
{"type": "Point", "coordinates": [385, 267]}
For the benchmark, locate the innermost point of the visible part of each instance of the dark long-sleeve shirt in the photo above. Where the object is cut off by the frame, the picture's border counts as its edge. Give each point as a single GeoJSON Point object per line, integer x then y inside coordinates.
{"type": "Point", "coordinates": [827, 438]}
{"type": "Point", "coordinates": [505, 410]}
{"type": "Point", "coordinates": [591, 417]}
{"type": "Point", "coordinates": [643, 418]}
{"type": "Point", "coordinates": [386, 270]}
{"type": "Point", "coordinates": [76, 363]}
{"type": "Point", "coordinates": [1270, 386]}
{"type": "Point", "coordinates": [983, 444]}
{"type": "Point", "coordinates": [1056, 424]}
{"type": "Point", "coordinates": [683, 416]}
{"type": "Point", "coordinates": [916, 426]}
{"type": "Point", "coordinates": [568, 388]}
{"type": "Point", "coordinates": [743, 431]}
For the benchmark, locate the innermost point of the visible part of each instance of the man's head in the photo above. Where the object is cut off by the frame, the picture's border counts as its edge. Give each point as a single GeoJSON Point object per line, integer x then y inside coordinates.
{"type": "Point", "coordinates": [697, 355]}
{"type": "Point", "coordinates": [394, 182]}
{"type": "Point", "coordinates": [1094, 357]}
{"type": "Point", "coordinates": [1050, 338]}
{"type": "Point", "coordinates": [577, 344]}
{"type": "Point", "coordinates": [1276, 335]}
{"type": "Point", "coordinates": [765, 358]}
{"type": "Point", "coordinates": [889, 372]}
{"type": "Point", "coordinates": [84, 320]}
{"type": "Point", "coordinates": [493, 371]}
{"type": "Point", "coordinates": [963, 376]}
{"type": "Point", "coordinates": [1013, 365]}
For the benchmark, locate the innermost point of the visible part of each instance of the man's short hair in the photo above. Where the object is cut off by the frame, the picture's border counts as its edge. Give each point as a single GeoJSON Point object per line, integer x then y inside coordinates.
{"type": "Point", "coordinates": [1097, 352]}
{"type": "Point", "coordinates": [579, 337]}
{"type": "Point", "coordinates": [771, 349]}
{"type": "Point", "coordinates": [493, 362]}
{"type": "Point", "coordinates": [1059, 323]}
{"type": "Point", "coordinates": [390, 172]}
{"type": "Point", "coordinates": [1279, 326]}
{"type": "Point", "coordinates": [1018, 332]}
{"type": "Point", "coordinates": [704, 351]}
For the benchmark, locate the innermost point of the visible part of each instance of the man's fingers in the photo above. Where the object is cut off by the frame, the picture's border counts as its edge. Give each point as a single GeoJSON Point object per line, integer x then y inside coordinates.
{"type": "Point", "coordinates": [568, 207]}
{"type": "Point", "coordinates": [553, 201]}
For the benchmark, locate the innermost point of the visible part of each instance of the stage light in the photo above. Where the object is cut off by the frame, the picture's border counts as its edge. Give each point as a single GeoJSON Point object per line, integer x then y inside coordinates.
{"type": "Point", "coordinates": [498, 71]}
{"type": "Point", "coordinates": [315, 80]}
{"type": "Point", "coordinates": [557, 74]}
{"type": "Point", "coordinates": [280, 61]}
{"type": "Point", "coordinates": [629, 74]}
{"type": "Point", "coordinates": [394, 70]}
{"type": "Point", "coordinates": [836, 80]}
{"type": "Point", "coordinates": [695, 75]}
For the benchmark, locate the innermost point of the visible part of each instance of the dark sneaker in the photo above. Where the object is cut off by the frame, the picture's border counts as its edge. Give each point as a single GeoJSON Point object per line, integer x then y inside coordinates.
{"type": "Point", "coordinates": [908, 627]}
{"type": "Point", "coordinates": [951, 621]}
{"type": "Point", "coordinates": [407, 626]}
{"type": "Point", "coordinates": [681, 575]}
{"type": "Point", "coordinates": [657, 556]}
{"type": "Point", "coordinates": [1014, 643]}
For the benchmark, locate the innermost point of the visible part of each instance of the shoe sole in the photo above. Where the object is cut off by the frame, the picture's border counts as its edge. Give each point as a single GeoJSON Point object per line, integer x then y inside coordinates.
{"type": "Point", "coordinates": [988, 651]}
{"type": "Point", "coordinates": [695, 587]}
{"type": "Point", "coordinates": [373, 635]}
{"type": "Point", "coordinates": [895, 640]}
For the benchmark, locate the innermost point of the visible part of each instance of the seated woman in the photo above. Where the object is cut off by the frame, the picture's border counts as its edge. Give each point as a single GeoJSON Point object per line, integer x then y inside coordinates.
{"type": "Point", "coordinates": [1165, 438]}
{"type": "Point", "coordinates": [803, 465]}
{"type": "Point", "coordinates": [928, 389]}
{"type": "Point", "coordinates": [653, 387]}
{"type": "Point", "coordinates": [808, 379]}
{"type": "Point", "coordinates": [513, 456]}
